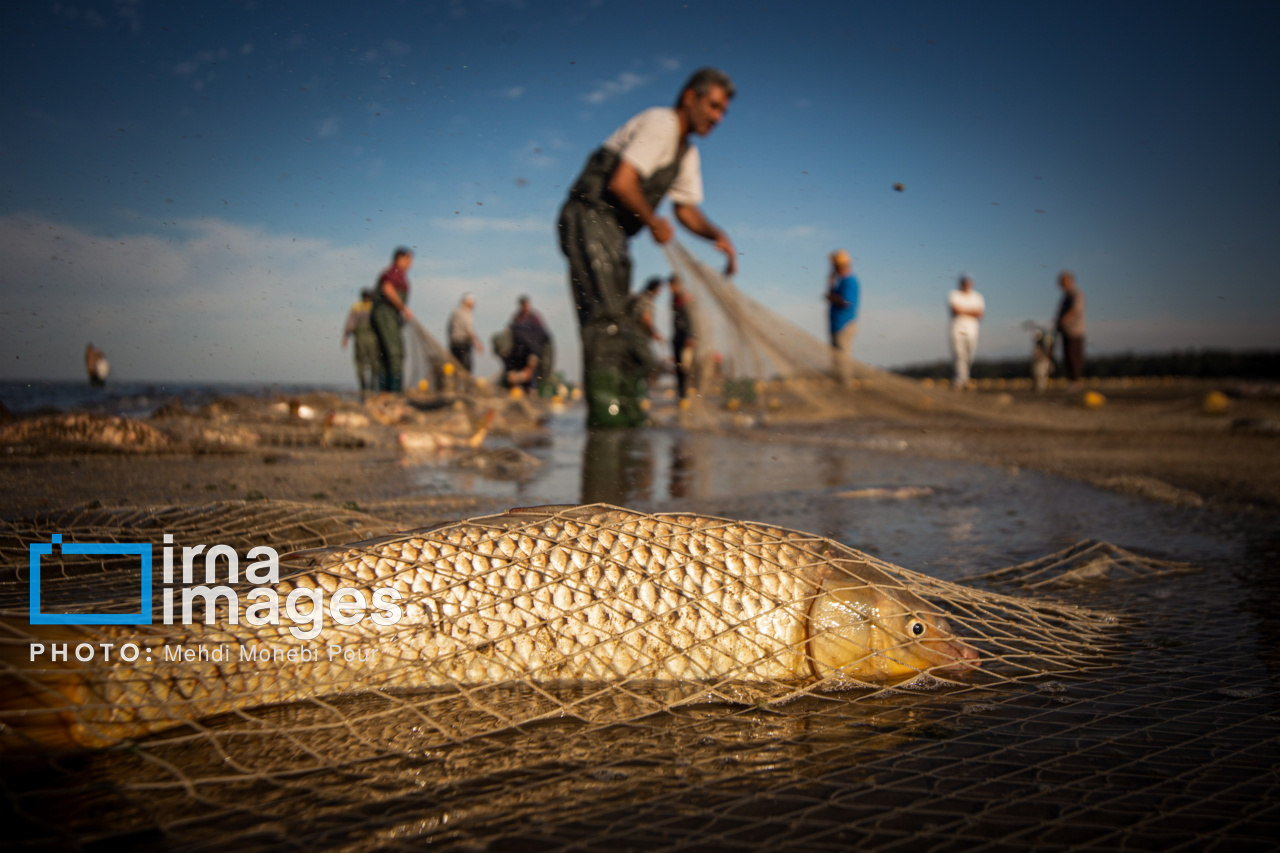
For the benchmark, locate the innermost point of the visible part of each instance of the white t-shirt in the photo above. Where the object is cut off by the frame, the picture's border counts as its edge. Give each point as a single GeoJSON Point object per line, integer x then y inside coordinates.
{"type": "Point", "coordinates": [650, 141]}
{"type": "Point", "coordinates": [971, 301]}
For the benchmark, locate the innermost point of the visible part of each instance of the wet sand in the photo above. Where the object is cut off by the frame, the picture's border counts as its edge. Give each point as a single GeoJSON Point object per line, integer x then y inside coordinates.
{"type": "Point", "coordinates": [1151, 442]}
{"type": "Point", "coordinates": [1175, 740]}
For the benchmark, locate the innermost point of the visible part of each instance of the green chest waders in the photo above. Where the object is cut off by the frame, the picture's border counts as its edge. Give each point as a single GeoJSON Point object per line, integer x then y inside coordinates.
{"type": "Point", "coordinates": [616, 356]}
{"type": "Point", "coordinates": [366, 356]}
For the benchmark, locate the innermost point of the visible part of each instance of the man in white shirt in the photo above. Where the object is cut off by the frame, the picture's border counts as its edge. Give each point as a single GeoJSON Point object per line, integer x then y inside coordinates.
{"type": "Point", "coordinates": [967, 308]}
{"type": "Point", "coordinates": [614, 198]}
{"type": "Point", "coordinates": [463, 339]}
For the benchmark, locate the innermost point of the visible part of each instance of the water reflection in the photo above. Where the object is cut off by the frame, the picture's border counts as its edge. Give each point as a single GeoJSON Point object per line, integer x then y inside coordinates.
{"type": "Point", "coordinates": [970, 518]}
{"type": "Point", "coordinates": [647, 467]}
{"type": "Point", "coordinates": [682, 471]}
{"type": "Point", "coordinates": [617, 467]}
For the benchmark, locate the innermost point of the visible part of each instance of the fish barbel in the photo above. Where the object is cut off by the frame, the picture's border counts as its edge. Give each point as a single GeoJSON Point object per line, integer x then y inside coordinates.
{"type": "Point", "coordinates": [547, 595]}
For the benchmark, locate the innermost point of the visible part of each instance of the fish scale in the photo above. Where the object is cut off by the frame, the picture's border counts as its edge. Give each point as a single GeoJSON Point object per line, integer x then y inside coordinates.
{"type": "Point", "coordinates": [586, 594]}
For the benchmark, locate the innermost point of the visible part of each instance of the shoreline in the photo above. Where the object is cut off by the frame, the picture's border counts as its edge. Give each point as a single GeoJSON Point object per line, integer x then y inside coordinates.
{"type": "Point", "coordinates": [1152, 442]}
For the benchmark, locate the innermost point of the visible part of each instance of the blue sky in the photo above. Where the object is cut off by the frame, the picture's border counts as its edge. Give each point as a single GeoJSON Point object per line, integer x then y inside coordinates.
{"type": "Point", "coordinates": [201, 189]}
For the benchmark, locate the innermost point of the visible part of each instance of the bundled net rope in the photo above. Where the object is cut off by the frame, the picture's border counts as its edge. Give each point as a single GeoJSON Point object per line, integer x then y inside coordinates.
{"type": "Point", "coordinates": [761, 346]}
{"type": "Point", "coordinates": [1086, 562]}
{"type": "Point", "coordinates": [631, 678]}
{"type": "Point", "coordinates": [426, 357]}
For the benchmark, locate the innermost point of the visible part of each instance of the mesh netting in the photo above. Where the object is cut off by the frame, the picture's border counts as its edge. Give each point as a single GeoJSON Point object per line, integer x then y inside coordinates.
{"type": "Point", "coordinates": [785, 364]}
{"type": "Point", "coordinates": [426, 358]}
{"type": "Point", "coordinates": [595, 678]}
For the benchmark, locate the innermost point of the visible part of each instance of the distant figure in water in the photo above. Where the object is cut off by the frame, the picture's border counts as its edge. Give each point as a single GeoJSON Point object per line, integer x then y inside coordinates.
{"type": "Point", "coordinates": [360, 325]}
{"type": "Point", "coordinates": [95, 364]}
{"type": "Point", "coordinates": [1070, 324]}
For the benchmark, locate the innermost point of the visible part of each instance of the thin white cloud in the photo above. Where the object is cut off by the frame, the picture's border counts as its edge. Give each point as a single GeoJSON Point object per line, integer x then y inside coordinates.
{"type": "Point", "coordinates": [668, 63]}
{"type": "Point", "coordinates": [202, 299]}
{"type": "Point", "coordinates": [328, 127]}
{"type": "Point", "coordinates": [201, 65]}
{"type": "Point", "coordinates": [513, 92]}
{"type": "Point", "coordinates": [622, 84]}
{"type": "Point", "coordinates": [801, 231]}
{"type": "Point", "coordinates": [85, 17]}
{"type": "Point", "coordinates": [481, 224]}
{"type": "Point", "coordinates": [211, 300]}
{"type": "Point", "coordinates": [534, 155]}
{"type": "Point", "coordinates": [130, 11]}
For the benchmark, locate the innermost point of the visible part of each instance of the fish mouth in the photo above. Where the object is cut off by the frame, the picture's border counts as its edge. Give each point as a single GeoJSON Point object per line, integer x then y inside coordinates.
{"type": "Point", "coordinates": [963, 658]}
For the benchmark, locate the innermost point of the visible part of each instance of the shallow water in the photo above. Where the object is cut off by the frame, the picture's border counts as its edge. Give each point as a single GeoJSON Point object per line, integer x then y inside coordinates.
{"type": "Point", "coordinates": [133, 399]}
{"type": "Point", "coordinates": [1171, 744]}
{"type": "Point", "coordinates": [948, 518]}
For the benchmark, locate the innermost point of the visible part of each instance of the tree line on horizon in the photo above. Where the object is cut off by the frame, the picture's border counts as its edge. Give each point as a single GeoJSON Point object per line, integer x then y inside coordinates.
{"type": "Point", "coordinates": [1189, 363]}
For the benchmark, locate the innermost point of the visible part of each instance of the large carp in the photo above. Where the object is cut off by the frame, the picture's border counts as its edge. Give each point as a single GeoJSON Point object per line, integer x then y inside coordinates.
{"type": "Point", "coordinates": [546, 595]}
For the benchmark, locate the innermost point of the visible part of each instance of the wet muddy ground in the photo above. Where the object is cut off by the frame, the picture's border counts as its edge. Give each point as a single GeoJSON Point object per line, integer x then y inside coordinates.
{"type": "Point", "coordinates": [1172, 744]}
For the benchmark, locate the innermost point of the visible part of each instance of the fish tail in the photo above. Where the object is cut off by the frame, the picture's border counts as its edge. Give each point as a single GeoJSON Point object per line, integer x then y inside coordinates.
{"type": "Point", "coordinates": [485, 422]}
{"type": "Point", "coordinates": [39, 699]}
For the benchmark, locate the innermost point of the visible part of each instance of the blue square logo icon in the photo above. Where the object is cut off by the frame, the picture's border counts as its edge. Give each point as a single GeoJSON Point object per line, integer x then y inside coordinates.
{"type": "Point", "coordinates": [142, 550]}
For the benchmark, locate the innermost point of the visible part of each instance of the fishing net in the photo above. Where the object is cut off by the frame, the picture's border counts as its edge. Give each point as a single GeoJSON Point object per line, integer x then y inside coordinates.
{"type": "Point", "coordinates": [749, 353]}
{"type": "Point", "coordinates": [1083, 725]}
{"type": "Point", "coordinates": [427, 359]}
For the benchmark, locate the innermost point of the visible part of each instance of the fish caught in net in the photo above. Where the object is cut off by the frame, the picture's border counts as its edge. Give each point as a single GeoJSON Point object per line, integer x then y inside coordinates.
{"type": "Point", "coordinates": [592, 678]}
{"type": "Point", "coordinates": [711, 608]}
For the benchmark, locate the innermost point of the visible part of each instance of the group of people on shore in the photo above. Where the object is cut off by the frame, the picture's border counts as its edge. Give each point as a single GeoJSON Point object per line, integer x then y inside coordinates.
{"type": "Point", "coordinates": [376, 323]}
{"type": "Point", "coordinates": [967, 308]}
{"type": "Point", "coordinates": [615, 196]}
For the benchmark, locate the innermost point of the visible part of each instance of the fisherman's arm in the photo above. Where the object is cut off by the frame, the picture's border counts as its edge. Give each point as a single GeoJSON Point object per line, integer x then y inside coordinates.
{"type": "Point", "coordinates": [625, 186]}
{"type": "Point", "coordinates": [692, 217]}
{"type": "Point", "coordinates": [393, 296]}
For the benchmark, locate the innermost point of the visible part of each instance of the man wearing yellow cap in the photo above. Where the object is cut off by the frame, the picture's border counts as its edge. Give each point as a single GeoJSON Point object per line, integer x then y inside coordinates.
{"type": "Point", "coordinates": [842, 296]}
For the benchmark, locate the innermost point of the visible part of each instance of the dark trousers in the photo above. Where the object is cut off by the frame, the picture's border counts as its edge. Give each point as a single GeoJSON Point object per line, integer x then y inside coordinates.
{"type": "Point", "coordinates": [616, 356]}
{"type": "Point", "coordinates": [682, 376]}
{"type": "Point", "coordinates": [462, 352]}
{"type": "Point", "coordinates": [366, 357]}
{"type": "Point", "coordinates": [1073, 356]}
{"type": "Point", "coordinates": [386, 325]}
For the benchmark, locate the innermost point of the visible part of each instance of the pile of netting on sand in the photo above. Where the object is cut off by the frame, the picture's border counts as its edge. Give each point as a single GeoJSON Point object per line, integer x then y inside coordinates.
{"type": "Point", "coordinates": [592, 678]}
{"type": "Point", "coordinates": [748, 353]}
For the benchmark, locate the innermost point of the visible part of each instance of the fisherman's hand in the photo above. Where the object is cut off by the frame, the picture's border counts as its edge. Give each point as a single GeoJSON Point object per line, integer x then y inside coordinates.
{"type": "Point", "coordinates": [406, 314]}
{"type": "Point", "coordinates": [724, 244]}
{"type": "Point", "coordinates": [662, 230]}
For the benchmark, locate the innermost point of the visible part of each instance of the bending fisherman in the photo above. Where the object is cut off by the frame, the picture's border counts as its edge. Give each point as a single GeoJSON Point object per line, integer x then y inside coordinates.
{"type": "Point", "coordinates": [614, 197]}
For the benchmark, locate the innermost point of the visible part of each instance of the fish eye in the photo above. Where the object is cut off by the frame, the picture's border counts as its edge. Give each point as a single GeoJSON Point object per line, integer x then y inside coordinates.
{"type": "Point", "coordinates": [916, 627]}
